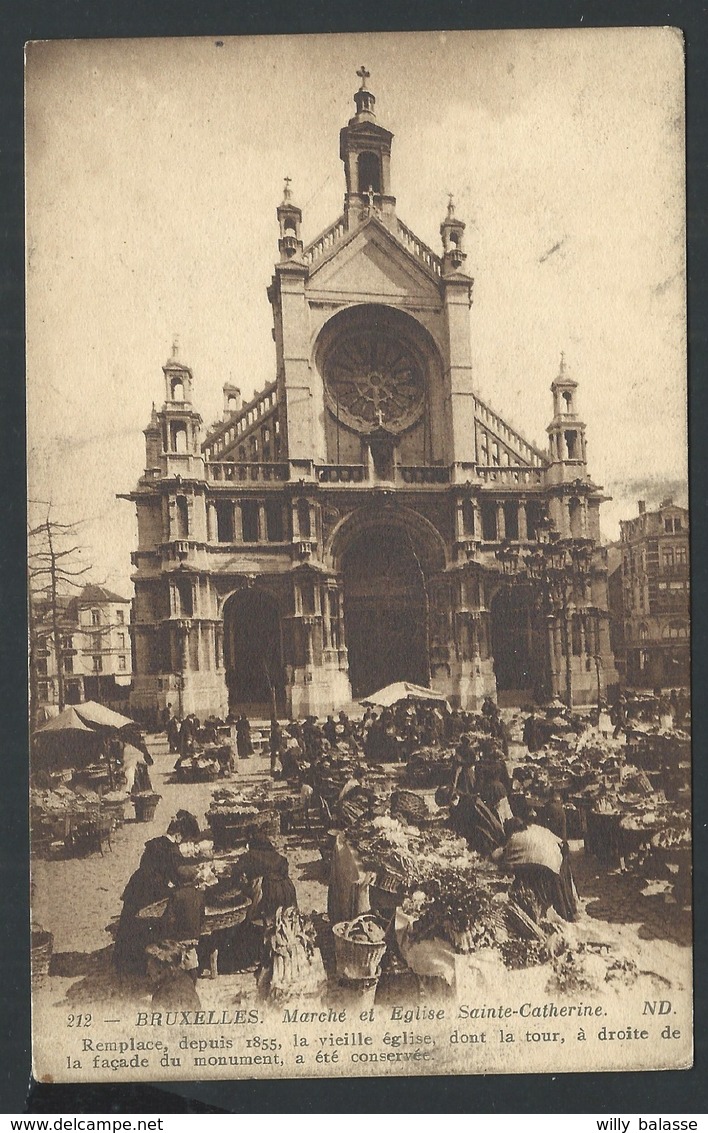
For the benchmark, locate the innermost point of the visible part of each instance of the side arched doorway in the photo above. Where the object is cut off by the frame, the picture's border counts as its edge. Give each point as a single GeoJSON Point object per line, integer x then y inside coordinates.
{"type": "Point", "coordinates": [385, 610]}
{"type": "Point", "coordinates": [253, 653]}
{"type": "Point", "coordinates": [518, 646]}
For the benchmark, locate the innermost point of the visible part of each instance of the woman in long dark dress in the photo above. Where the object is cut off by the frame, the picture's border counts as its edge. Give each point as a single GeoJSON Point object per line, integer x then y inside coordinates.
{"type": "Point", "coordinates": [244, 747]}
{"type": "Point", "coordinates": [263, 874]}
{"type": "Point", "coordinates": [157, 875]}
{"type": "Point", "coordinates": [264, 869]}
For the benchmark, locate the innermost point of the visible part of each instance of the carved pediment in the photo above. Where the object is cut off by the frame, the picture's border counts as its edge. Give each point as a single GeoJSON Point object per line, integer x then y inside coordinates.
{"type": "Point", "coordinates": [375, 265]}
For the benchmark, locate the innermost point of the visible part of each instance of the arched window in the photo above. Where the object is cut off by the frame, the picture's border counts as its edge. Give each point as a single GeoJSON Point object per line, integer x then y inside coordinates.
{"type": "Point", "coordinates": [232, 403]}
{"type": "Point", "coordinates": [303, 518]}
{"type": "Point", "coordinates": [179, 436]}
{"type": "Point", "coordinates": [95, 617]}
{"type": "Point", "coordinates": [369, 170]}
{"type": "Point", "coordinates": [242, 453]}
{"type": "Point", "coordinates": [675, 629]}
{"type": "Point", "coordinates": [571, 444]}
{"type": "Point", "coordinates": [643, 632]}
{"type": "Point", "coordinates": [177, 388]}
{"type": "Point", "coordinates": [568, 399]}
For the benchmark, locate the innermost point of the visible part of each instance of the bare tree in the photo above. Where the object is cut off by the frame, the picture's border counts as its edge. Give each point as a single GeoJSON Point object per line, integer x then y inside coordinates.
{"type": "Point", "coordinates": [53, 569]}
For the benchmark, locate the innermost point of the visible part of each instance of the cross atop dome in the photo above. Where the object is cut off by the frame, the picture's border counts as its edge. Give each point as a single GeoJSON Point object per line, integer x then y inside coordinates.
{"type": "Point", "coordinates": [363, 98]}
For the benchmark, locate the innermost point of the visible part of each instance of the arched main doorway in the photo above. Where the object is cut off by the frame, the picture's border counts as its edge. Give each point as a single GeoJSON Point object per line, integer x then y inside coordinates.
{"type": "Point", "coordinates": [518, 646]}
{"type": "Point", "coordinates": [253, 654]}
{"type": "Point", "coordinates": [385, 610]}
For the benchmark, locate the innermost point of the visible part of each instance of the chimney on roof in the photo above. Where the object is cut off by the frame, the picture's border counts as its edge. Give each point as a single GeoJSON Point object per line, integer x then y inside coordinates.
{"type": "Point", "coordinates": [642, 506]}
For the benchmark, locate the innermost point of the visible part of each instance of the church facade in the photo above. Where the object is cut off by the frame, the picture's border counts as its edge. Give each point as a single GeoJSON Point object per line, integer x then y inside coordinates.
{"type": "Point", "coordinates": [367, 517]}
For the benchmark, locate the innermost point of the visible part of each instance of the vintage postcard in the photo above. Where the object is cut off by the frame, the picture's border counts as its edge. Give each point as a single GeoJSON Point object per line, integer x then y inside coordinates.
{"type": "Point", "coordinates": [358, 555]}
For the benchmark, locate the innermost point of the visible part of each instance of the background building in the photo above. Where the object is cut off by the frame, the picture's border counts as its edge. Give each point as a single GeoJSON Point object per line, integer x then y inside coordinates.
{"type": "Point", "coordinates": [367, 517]}
{"type": "Point", "coordinates": [650, 597]}
{"type": "Point", "coordinates": [94, 651]}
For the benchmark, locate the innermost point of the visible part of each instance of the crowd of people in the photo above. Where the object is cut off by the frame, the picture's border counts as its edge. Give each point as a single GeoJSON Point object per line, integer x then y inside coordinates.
{"type": "Point", "coordinates": [484, 806]}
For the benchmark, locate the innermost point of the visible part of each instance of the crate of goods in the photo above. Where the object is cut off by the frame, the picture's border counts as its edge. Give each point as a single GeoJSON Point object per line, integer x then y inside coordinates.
{"type": "Point", "coordinates": [145, 805]}
{"type": "Point", "coordinates": [388, 891]}
{"type": "Point", "coordinates": [228, 825]}
{"type": "Point", "coordinates": [359, 947]}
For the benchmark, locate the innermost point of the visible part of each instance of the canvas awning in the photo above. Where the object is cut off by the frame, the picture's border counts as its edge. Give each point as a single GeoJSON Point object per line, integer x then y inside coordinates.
{"type": "Point", "coordinates": [67, 721]}
{"type": "Point", "coordinates": [402, 690]}
{"type": "Point", "coordinates": [86, 717]}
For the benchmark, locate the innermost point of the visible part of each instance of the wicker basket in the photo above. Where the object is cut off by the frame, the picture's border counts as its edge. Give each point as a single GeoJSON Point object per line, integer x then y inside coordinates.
{"type": "Point", "coordinates": [407, 805]}
{"type": "Point", "coordinates": [356, 960]}
{"type": "Point", "coordinates": [145, 807]}
{"type": "Point", "coordinates": [233, 828]}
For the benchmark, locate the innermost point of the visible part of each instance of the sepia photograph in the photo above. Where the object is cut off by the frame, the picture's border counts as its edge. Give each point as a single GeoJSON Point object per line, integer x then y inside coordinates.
{"type": "Point", "coordinates": [358, 555]}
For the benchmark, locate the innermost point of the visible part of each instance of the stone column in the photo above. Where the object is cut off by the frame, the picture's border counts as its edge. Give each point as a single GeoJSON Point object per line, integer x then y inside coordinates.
{"type": "Point", "coordinates": [523, 526]}
{"type": "Point", "coordinates": [262, 526]}
{"type": "Point", "coordinates": [238, 522]}
{"type": "Point", "coordinates": [477, 519]}
{"type": "Point", "coordinates": [501, 525]}
{"type": "Point", "coordinates": [459, 520]}
{"type": "Point", "coordinates": [212, 527]}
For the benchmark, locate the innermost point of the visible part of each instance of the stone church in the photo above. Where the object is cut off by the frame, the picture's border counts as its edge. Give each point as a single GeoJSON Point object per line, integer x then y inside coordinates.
{"type": "Point", "coordinates": [366, 518]}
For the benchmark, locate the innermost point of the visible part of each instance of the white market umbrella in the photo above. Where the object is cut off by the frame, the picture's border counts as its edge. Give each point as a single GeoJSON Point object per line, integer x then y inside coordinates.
{"type": "Point", "coordinates": [402, 690]}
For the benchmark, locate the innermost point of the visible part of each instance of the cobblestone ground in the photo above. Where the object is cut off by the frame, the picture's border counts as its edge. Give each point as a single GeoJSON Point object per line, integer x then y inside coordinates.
{"type": "Point", "coordinates": [75, 899]}
{"type": "Point", "coordinates": [616, 898]}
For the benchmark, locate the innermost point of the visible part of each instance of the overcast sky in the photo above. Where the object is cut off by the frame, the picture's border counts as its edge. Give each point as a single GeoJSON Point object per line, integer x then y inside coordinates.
{"type": "Point", "coordinates": [154, 168]}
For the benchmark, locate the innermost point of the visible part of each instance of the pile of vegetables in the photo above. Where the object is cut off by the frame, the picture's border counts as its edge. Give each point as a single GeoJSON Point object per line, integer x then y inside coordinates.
{"type": "Point", "coordinates": [458, 908]}
{"type": "Point", "coordinates": [292, 966]}
{"type": "Point", "coordinates": [363, 930]}
{"type": "Point", "coordinates": [226, 801]}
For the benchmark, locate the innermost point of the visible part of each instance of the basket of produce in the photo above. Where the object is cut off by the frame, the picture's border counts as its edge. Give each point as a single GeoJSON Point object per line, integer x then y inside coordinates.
{"type": "Point", "coordinates": [42, 947]}
{"type": "Point", "coordinates": [145, 804]}
{"type": "Point", "coordinates": [359, 947]}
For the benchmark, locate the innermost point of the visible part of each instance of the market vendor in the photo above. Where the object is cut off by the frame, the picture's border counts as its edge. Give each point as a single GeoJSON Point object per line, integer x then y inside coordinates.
{"type": "Point", "coordinates": [533, 732]}
{"type": "Point", "coordinates": [534, 855]}
{"type": "Point", "coordinates": [135, 769]}
{"type": "Point", "coordinates": [266, 876]}
{"type": "Point", "coordinates": [276, 742]}
{"type": "Point", "coordinates": [244, 745]}
{"type": "Point", "coordinates": [158, 873]}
